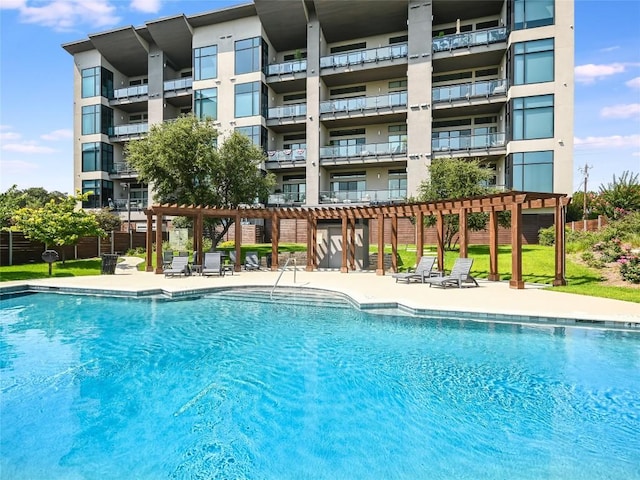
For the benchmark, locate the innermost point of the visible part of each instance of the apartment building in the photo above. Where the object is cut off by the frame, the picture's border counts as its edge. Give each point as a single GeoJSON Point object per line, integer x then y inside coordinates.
{"type": "Point", "coordinates": [351, 100]}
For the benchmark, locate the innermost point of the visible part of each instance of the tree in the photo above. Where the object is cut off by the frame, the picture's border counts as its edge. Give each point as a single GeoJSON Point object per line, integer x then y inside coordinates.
{"type": "Point", "coordinates": [619, 197]}
{"type": "Point", "coordinates": [57, 222]}
{"type": "Point", "coordinates": [458, 178]}
{"type": "Point", "coordinates": [575, 210]}
{"type": "Point", "coordinates": [186, 167]}
{"type": "Point", "coordinates": [14, 199]}
{"type": "Point", "coordinates": [108, 221]}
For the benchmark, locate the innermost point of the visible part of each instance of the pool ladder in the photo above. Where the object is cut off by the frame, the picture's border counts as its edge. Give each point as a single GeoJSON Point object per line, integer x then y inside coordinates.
{"type": "Point", "coordinates": [286, 264]}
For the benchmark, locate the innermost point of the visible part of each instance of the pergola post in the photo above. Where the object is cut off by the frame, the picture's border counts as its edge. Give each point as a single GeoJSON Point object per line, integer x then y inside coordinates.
{"type": "Point", "coordinates": [275, 235]}
{"type": "Point", "coordinates": [516, 246]}
{"type": "Point", "coordinates": [494, 276]}
{"type": "Point", "coordinates": [312, 232]}
{"type": "Point", "coordinates": [159, 268]}
{"type": "Point", "coordinates": [560, 245]}
{"type": "Point", "coordinates": [440, 239]}
{"type": "Point", "coordinates": [463, 238]}
{"type": "Point", "coordinates": [149, 240]}
{"type": "Point", "coordinates": [352, 243]}
{"type": "Point", "coordinates": [394, 243]}
{"type": "Point", "coordinates": [419, 236]}
{"type": "Point", "coordinates": [380, 266]}
{"type": "Point", "coordinates": [197, 238]}
{"type": "Point", "coordinates": [238, 242]}
{"type": "Point", "coordinates": [345, 245]}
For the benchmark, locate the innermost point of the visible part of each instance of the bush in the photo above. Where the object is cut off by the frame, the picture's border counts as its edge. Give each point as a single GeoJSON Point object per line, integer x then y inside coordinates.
{"type": "Point", "coordinates": [590, 259]}
{"type": "Point", "coordinates": [630, 268]}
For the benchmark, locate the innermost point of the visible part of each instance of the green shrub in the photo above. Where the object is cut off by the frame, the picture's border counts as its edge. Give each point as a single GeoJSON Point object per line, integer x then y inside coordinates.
{"type": "Point", "coordinates": [630, 268]}
{"type": "Point", "coordinates": [228, 244]}
{"type": "Point", "coordinates": [547, 236]}
{"type": "Point", "coordinates": [590, 259]}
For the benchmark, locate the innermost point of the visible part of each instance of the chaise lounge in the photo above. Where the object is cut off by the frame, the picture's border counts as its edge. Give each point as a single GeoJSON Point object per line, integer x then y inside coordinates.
{"type": "Point", "coordinates": [251, 261]}
{"type": "Point", "coordinates": [423, 270]}
{"type": "Point", "coordinates": [179, 266]}
{"type": "Point", "coordinates": [212, 264]}
{"type": "Point", "coordinates": [460, 273]}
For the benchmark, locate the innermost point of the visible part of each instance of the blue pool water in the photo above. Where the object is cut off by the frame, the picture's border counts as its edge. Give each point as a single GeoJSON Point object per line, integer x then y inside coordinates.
{"type": "Point", "coordinates": [219, 387]}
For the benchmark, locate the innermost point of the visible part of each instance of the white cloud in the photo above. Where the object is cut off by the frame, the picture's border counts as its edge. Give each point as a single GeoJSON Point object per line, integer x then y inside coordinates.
{"type": "Point", "coordinates": [613, 141]}
{"type": "Point", "coordinates": [147, 6]}
{"type": "Point", "coordinates": [635, 154]}
{"type": "Point", "coordinates": [633, 83]}
{"type": "Point", "coordinates": [610, 49]}
{"type": "Point", "coordinates": [590, 72]}
{"type": "Point", "coordinates": [4, 136]}
{"type": "Point", "coordinates": [11, 167]}
{"type": "Point", "coordinates": [28, 148]}
{"type": "Point", "coordinates": [65, 15]}
{"type": "Point", "coordinates": [621, 111]}
{"type": "Point", "coordinates": [62, 134]}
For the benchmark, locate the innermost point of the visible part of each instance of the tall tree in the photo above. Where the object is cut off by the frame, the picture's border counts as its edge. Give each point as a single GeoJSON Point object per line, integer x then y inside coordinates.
{"type": "Point", "coordinates": [14, 199]}
{"type": "Point", "coordinates": [618, 197]}
{"type": "Point", "coordinates": [457, 178]}
{"type": "Point", "coordinates": [185, 165]}
{"type": "Point", "coordinates": [57, 222]}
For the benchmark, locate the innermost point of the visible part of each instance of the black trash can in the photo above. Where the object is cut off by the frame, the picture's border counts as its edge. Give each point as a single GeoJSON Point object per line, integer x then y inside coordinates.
{"type": "Point", "coordinates": [109, 262]}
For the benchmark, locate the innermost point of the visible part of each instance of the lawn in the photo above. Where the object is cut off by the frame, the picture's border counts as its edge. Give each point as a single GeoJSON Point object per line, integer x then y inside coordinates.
{"type": "Point", "coordinates": [71, 268]}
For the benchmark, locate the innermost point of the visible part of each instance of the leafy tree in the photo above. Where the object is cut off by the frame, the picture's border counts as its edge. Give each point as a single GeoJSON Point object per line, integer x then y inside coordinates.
{"type": "Point", "coordinates": [619, 197]}
{"type": "Point", "coordinates": [575, 210]}
{"type": "Point", "coordinates": [13, 199]}
{"type": "Point", "coordinates": [57, 222]}
{"type": "Point", "coordinates": [108, 221]}
{"type": "Point", "coordinates": [458, 178]}
{"type": "Point", "coordinates": [186, 167]}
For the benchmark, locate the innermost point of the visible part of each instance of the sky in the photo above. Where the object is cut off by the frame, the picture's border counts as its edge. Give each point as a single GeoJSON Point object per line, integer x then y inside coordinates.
{"type": "Point", "coordinates": [36, 83]}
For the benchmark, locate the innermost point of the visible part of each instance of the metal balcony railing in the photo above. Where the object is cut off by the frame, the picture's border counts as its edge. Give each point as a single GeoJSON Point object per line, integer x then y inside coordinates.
{"type": "Point", "coordinates": [286, 198]}
{"type": "Point", "coordinates": [178, 84]}
{"type": "Point", "coordinates": [294, 66]}
{"type": "Point", "coordinates": [285, 111]}
{"type": "Point", "coordinates": [289, 155]}
{"type": "Point", "coordinates": [129, 92]}
{"type": "Point", "coordinates": [355, 57]}
{"type": "Point", "coordinates": [364, 150]}
{"type": "Point", "coordinates": [123, 168]}
{"type": "Point", "coordinates": [394, 99]}
{"type": "Point", "coordinates": [363, 196]}
{"type": "Point", "coordinates": [130, 130]}
{"type": "Point", "coordinates": [469, 39]}
{"type": "Point", "coordinates": [469, 142]}
{"type": "Point", "coordinates": [460, 91]}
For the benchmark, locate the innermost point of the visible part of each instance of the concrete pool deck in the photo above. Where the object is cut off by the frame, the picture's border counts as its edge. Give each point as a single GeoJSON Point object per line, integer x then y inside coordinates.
{"type": "Point", "coordinates": [365, 288]}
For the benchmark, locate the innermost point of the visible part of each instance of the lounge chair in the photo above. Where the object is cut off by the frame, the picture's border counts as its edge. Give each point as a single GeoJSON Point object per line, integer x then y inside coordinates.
{"type": "Point", "coordinates": [179, 266]}
{"type": "Point", "coordinates": [251, 261]}
{"type": "Point", "coordinates": [212, 264]}
{"type": "Point", "coordinates": [423, 270]}
{"type": "Point", "coordinates": [167, 257]}
{"type": "Point", "coordinates": [459, 275]}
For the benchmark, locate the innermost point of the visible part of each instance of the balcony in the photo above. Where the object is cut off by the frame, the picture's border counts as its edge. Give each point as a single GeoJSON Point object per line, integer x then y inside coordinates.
{"type": "Point", "coordinates": [131, 131]}
{"type": "Point", "coordinates": [486, 89]}
{"type": "Point", "coordinates": [286, 198]}
{"type": "Point", "coordinates": [365, 153]}
{"type": "Point", "coordinates": [123, 170]}
{"type": "Point", "coordinates": [130, 93]}
{"type": "Point", "coordinates": [178, 85]}
{"type": "Point", "coordinates": [469, 144]}
{"type": "Point", "coordinates": [364, 196]}
{"type": "Point", "coordinates": [120, 205]}
{"type": "Point", "coordinates": [287, 111]}
{"type": "Point", "coordinates": [365, 65]}
{"type": "Point", "coordinates": [287, 68]}
{"type": "Point", "coordinates": [292, 156]}
{"type": "Point", "coordinates": [469, 39]}
{"type": "Point", "coordinates": [287, 76]}
{"type": "Point", "coordinates": [358, 57]}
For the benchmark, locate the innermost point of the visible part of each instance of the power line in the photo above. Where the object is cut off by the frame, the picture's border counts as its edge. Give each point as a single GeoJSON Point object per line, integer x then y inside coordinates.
{"type": "Point", "coordinates": [585, 171]}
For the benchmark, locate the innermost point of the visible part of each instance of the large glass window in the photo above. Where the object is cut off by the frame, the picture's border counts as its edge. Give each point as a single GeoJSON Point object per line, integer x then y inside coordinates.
{"type": "Point", "coordinates": [397, 138]}
{"type": "Point", "coordinates": [205, 61]}
{"type": "Point", "coordinates": [533, 61]}
{"type": "Point", "coordinates": [97, 119]}
{"type": "Point", "coordinates": [397, 184]}
{"type": "Point", "coordinates": [97, 156]}
{"type": "Point", "coordinates": [101, 192]}
{"type": "Point", "coordinates": [249, 55]}
{"type": "Point", "coordinates": [97, 81]}
{"type": "Point", "coordinates": [533, 13]}
{"type": "Point", "coordinates": [206, 103]}
{"type": "Point", "coordinates": [348, 186]}
{"type": "Point", "coordinates": [257, 134]}
{"type": "Point", "coordinates": [532, 171]}
{"type": "Point", "coordinates": [533, 117]}
{"type": "Point", "coordinates": [250, 99]}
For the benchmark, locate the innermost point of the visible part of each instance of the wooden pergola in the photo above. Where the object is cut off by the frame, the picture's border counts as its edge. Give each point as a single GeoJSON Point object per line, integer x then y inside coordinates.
{"type": "Point", "coordinates": [514, 202]}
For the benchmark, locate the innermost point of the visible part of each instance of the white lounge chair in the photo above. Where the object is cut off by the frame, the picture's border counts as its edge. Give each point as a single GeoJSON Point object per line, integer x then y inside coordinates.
{"type": "Point", "coordinates": [179, 266]}
{"type": "Point", "coordinates": [460, 273]}
{"type": "Point", "coordinates": [212, 264]}
{"type": "Point", "coordinates": [423, 270]}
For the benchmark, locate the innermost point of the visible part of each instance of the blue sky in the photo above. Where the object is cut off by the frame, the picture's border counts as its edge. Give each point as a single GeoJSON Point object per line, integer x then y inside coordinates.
{"type": "Point", "coordinates": [36, 91]}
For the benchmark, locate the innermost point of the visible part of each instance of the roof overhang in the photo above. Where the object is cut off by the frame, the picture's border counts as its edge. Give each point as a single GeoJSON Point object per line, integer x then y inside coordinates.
{"type": "Point", "coordinates": [284, 22]}
{"type": "Point", "coordinates": [124, 48]}
{"type": "Point", "coordinates": [173, 35]}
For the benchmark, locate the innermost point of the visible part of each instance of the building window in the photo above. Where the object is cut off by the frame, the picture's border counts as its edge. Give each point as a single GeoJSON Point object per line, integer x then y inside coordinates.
{"type": "Point", "coordinates": [533, 117]}
{"type": "Point", "coordinates": [96, 157]}
{"type": "Point", "coordinates": [250, 99]}
{"type": "Point", "coordinates": [205, 61]}
{"type": "Point", "coordinates": [398, 138]}
{"type": "Point", "coordinates": [250, 53]}
{"type": "Point", "coordinates": [533, 13]}
{"type": "Point", "coordinates": [101, 192]}
{"type": "Point", "coordinates": [533, 62]}
{"type": "Point", "coordinates": [348, 186]}
{"type": "Point", "coordinates": [397, 184]}
{"type": "Point", "coordinates": [256, 133]}
{"type": "Point", "coordinates": [206, 103]}
{"type": "Point", "coordinates": [532, 171]}
{"type": "Point", "coordinates": [97, 119]}
{"type": "Point", "coordinates": [97, 81]}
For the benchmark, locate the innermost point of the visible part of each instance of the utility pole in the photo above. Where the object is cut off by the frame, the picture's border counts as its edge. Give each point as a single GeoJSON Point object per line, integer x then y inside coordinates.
{"type": "Point", "coordinates": [585, 172]}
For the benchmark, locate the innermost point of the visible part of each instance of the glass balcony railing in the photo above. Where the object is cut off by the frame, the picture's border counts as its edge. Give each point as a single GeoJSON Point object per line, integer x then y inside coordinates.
{"type": "Point", "coordinates": [488, 88]}
{"type": "Point", "coordinates": [294, 66]}
{"type": "Point", "coordinates": [364, 150]}
{"type": "Point", "coordinates": [395, 99]}
{"type": "Point", "coordinates": [364, 56]}
{"type": "Point", "coordinates": [286, 198]}
{"type": "Point", "coordinates": [122, 168]}
{"type": "Point", "coordinates": [468, 142]}
{"type": "Point", "coordinates": [469, 39]}
{"type": "Point", "coordinates": [363, 196]}
{"type": "Point", "coordinates": [130, 130]}
{"type": "Point", "coordinates": [290, 155]}
{"type": "Point", "coordinates": [297, 110]}
{"type": "Point", "coordinates": [178, 84]}
{"type": "Point", "coordinates": [124, 93]}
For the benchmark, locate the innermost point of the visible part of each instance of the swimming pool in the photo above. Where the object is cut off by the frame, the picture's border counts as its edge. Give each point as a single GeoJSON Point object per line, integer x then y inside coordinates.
{"type": "Point", "coordinates": [227, 387]}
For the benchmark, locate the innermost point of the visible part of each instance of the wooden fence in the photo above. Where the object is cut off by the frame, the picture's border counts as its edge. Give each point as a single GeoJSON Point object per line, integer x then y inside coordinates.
{"type": "Point", "coordinates": [588, 225]}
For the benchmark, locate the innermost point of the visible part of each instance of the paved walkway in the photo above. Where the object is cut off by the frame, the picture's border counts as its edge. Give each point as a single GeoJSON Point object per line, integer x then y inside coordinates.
{"type": "Point", "coordinates": [367, 288]}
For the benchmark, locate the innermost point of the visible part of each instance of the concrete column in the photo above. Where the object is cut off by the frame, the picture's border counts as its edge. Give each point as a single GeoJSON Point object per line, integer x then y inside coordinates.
{"type": "Point", "coordinates": [314, 42]}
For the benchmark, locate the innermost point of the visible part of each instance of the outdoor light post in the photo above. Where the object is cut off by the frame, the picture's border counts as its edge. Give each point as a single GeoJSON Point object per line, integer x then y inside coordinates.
{"type": "Point", "coordinates": [127, 187]}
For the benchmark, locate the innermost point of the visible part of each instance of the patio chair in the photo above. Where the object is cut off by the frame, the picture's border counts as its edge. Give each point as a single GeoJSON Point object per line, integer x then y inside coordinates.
{"type": "Point", "coordinates": [179, 266]}
{"type": "Point", "coordinates": [212, 264]}
{"type": "Point", "coordinates": [423, 270]}
{"type": "Point", "coordinates": [251, 261]}
{"type": "Point", "coordinates": [167, 257]}
{"type": "Point", "coordinates": [460, 273]}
